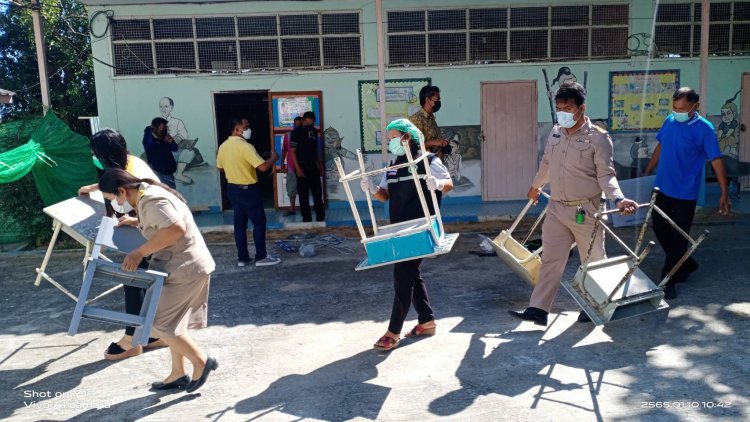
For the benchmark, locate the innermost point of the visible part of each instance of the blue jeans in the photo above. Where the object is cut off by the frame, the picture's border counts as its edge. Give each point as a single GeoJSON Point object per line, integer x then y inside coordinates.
{"type": "Point", "coordinates": [247, 202]}
{"type": "Point", "coordinates": [167, 179]}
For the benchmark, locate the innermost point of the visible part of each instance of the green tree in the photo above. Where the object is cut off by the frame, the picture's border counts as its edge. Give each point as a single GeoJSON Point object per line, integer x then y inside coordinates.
{"type": "Point", "coordinates": [72, 94]}
{"type": "Point", "coordinates": [71, 73]}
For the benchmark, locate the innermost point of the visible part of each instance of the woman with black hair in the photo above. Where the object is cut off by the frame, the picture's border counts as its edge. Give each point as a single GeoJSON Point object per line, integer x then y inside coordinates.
{"type": "Point", "coordinates": [111, 151]}
{"type": "Point", "coordinates": [177, 248]}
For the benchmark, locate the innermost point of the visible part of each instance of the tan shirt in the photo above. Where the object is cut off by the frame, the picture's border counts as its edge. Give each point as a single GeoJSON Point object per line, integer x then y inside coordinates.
{"type": "Point", "coordinates": [189, 257]}
{"type": "Point", "coordinates": [426, 123]}
{"type": "Point", "coordinates": [578, 165]}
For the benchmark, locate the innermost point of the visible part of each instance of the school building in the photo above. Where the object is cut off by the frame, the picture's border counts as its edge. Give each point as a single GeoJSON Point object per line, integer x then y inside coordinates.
{"type": "Point", "coordinates": [202, 63]}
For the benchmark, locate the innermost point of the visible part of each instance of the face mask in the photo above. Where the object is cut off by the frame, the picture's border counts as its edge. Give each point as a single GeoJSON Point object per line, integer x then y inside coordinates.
{"type": "Point", "coordinates": [436, 106]}
{"type": "Point", "coordinates": [125, 208]}
{"type": "Point", "coordinates": [97, 163]}
{"type": "Point", "coordinates": [395, 147]}
{"type": "Point", "coordinates": [565, 119]}
{"type": "Point", "coordinates": [246, 133]}
{"type": "Point", "coordinates": [682, 117]}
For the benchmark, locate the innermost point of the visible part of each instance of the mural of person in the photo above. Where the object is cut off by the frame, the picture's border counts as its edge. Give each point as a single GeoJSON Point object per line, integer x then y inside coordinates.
{"type": "Point", "coordinates": [453, 159]}
{"type": "Point", "coordinates": [564, 74]}
{"type": "Point", "coordinates": [727, 129]}
{"type": "Point", "coordinates": [332, 149]}
{"type": "Point", "coordinates": [187, 155]}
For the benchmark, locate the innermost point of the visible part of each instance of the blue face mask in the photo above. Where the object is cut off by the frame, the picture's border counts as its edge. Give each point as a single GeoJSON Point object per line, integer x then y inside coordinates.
{"type": "Point", "coordinates": [395, 147]}
{"type": "Point", "coordinates": [682, 117]}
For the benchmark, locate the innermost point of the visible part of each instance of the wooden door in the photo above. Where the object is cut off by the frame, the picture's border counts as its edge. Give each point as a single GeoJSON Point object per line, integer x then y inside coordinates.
{"type": "Point", "coordinates": [509, 150]}
{"type": "Point", "coordinates": [744, 133]}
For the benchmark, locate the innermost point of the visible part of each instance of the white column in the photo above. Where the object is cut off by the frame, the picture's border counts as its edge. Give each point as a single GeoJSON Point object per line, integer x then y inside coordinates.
{"type": "Point", "coordinates": [705, 26]}
{"type": "Point", "coordinates": [381, 79]}
{"type": "Point", "coordinates": [41, 54]}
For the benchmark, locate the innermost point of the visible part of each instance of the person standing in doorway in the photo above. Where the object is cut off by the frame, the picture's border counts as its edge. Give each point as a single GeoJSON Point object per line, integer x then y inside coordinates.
{"type": "Point", "coordinates": [287, 167]}
{"type": "Point", "coordinates": [686, 142]}
{"type": "Point", "coordinates": [159, 146]}
{"type": "Point", "coordinates": [307, 156]}
{"type": "Point", "coordinates": [424, 120]}
{"type": "Point", "coordinates": [579, 167]}
{"type": "Point", "coordinates": [240, 162]}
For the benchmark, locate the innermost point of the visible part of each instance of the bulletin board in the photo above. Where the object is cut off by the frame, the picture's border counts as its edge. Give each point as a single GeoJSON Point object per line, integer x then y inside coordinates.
{"type": "Point", "coordinates": [284, 107]}
{"type": "Point", "coordinates": [640, 100]}
{"type": "Point", "coordinates": [402, 100]}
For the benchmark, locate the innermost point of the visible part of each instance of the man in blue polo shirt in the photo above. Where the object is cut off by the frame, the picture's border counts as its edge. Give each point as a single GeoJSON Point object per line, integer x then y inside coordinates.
{"type": "Point", "coordinates": [686, 142]}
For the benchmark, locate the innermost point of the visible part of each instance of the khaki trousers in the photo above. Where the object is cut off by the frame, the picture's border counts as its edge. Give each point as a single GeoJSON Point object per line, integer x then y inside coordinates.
{"type": "Point", "coordinates": [559, 231]}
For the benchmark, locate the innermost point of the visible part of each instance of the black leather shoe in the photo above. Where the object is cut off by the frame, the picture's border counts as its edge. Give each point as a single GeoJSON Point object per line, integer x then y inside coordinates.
{"type": "Point", "coordinates": [690, 266]}
{"type": "Point", "coordinates": [538, 316]}
{"type": "Point", "coordinates": [211, 365]}
{"type": "Point", "coordinates": [179, 383]}
{"type": "Point", "coordinates": [583, 317]}
{"type": "Point", "coordinates": [670, 291]}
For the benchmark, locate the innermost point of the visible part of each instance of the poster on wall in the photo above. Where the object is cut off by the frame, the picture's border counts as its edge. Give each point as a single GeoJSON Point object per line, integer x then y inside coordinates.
{"type": "Point", "coordinates": [402, 100]}
{"type": "Point", "coordinates": [285, 109]}
{"type": "Point", "coordinates": [640, 100]}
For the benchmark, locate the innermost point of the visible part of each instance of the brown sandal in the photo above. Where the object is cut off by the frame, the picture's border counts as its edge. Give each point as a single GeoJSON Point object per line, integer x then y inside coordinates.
{"type": "Point", "coordinates": [386, 343]}
{"type": "Point", "coordinates": [419, 330]}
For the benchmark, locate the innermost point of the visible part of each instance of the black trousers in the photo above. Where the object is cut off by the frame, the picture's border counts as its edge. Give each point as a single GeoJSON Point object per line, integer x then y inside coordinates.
{"type": "Point", "coordinates": [307, 185]}
{"type": "Point", "coordinates": [410, 289]}
{"type": "Point", "coordinates": [681, 211]}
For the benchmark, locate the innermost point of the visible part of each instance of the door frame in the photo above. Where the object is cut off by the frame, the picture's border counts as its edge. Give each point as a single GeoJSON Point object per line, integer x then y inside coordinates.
{"type": "Point", "coordinates": [482, 125]}
{"type": "Point", "coordinates": [215, 125]}
{"type": "Point", "coordinates": [321, 128]}
{"type": "Point", "coordinates": [744, 135]}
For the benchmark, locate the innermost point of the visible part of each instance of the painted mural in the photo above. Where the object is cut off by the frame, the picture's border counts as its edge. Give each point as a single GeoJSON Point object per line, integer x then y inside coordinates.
{"type": "Point", "coordinates": [333, 149]}
{"type": "Point", "coordinates": [464, 161]}
{"type": "Point", "coordinates": [728, 129]}
{"type": "Point", "coordinates": [193, 174]}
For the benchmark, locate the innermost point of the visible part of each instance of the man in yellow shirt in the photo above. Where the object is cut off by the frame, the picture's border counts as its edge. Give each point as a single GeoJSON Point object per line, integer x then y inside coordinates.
{"type": "Point", "coordinates": [239, 161]}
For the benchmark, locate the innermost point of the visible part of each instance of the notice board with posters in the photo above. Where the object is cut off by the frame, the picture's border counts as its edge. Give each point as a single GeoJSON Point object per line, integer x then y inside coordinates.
{"type": "Point", "coordinates": [284, 107]}
{"type": "Point", "coordinates": [402, 100]}
{"type": "Point", "coordinates": [641, 100]}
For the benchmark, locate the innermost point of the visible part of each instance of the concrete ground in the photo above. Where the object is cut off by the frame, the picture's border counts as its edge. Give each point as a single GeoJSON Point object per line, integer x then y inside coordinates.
{"type": "Point", "coordinates": [294, 342]}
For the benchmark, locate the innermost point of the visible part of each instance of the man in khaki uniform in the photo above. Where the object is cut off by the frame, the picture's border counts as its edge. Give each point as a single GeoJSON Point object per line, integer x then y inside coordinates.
{"type": "Point", "coordinates": [578, 165]}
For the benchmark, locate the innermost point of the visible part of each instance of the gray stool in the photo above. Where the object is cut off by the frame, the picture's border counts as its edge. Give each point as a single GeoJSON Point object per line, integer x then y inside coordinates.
{"type": "Point", "coordinates": [124, 239]}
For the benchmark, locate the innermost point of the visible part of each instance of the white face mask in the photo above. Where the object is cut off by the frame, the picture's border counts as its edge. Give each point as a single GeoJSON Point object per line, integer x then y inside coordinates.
{"type": "Point", "coordinates": [125, 208]}
{"type": "Point", "coordinates": [565, 119]}
{"type": "Point", "coordinates": [246, 133]}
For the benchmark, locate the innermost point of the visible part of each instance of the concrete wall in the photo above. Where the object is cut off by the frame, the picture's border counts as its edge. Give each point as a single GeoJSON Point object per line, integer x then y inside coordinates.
{"type": "Point", "coordinates": [129, 103]}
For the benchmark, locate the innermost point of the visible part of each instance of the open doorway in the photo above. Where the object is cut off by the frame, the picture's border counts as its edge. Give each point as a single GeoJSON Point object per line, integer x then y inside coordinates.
{"type": "Point", "coordinates": [252, 105]}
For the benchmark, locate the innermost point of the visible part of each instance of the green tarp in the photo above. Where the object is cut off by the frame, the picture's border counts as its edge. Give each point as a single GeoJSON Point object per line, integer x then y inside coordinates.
{"type": "Point", "coordinates": [58, 158]}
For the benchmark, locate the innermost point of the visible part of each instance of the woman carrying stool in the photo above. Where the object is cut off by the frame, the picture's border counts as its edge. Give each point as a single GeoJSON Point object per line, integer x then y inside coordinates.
{"type": "Point", "coordinates": [177, 248]}
{"type": "Point", "coordinates": [398, 186]}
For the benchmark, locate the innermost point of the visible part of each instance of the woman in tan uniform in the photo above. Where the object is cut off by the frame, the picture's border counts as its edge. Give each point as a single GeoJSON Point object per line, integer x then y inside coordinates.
{"type": "Point", "coordinates": [178, 249]}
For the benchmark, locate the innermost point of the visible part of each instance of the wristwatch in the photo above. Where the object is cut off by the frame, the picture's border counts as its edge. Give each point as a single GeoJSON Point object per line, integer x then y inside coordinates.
{"type": "Point", "coordinates": [618, 199]}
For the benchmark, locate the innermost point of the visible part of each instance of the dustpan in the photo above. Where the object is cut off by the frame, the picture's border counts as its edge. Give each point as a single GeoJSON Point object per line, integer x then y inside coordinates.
{"type": "Point", "coordinates": [615, 288]}
{"type": "Point", "coordinates": [407, 240]}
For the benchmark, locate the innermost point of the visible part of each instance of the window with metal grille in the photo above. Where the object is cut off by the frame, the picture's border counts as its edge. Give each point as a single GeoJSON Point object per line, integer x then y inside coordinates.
{"type": "Point", "coordinates": [678, 29]}
{"type": "Point", "coordinates": [504, 34]}
{"type": "Point", "coordinates": [308, 40]}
